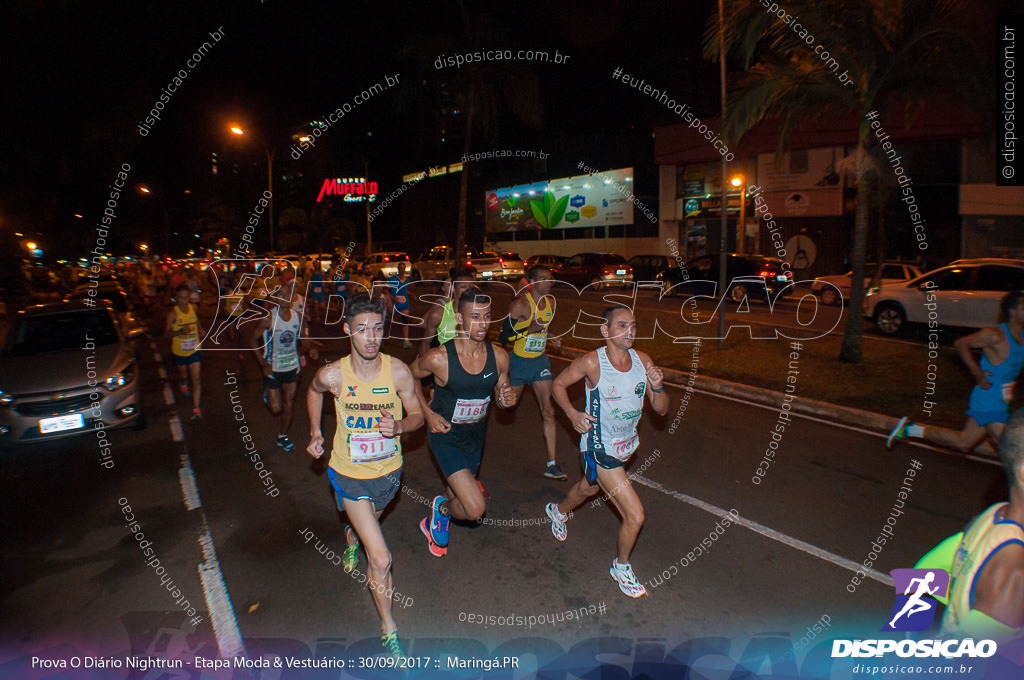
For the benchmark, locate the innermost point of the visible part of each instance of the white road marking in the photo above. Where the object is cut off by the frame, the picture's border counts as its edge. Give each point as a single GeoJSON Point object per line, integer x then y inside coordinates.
{"type": "Point", "coordinates": [189, 491]}
{"type": "Point", "coordinates": [218, 602]}
{"type": "Point", "coordinates": [177, 431]}
{"type": "Point", "coordinates": [786, 539]}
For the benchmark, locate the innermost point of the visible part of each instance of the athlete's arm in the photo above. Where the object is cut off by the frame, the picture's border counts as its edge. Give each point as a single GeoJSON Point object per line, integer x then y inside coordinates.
{"type": "Point", "coordinates": [503, 392]}
{"type": "Point", "coordinates": [256, 344]}
{"type": "Point", "coordinates": [983, 339]}
{"type": "Point", "coordinates": [431, 321]}
{"type": "Point", "coordinates": [314, 405]}
{"type": "Point", "coordinates": [655, 383]}
{"type": "Point", "coordinates": [169, 329]}
{"type": "Point", "coordinates": [519, 309]}
{"type": "Point", "coordinates": [999, 590]}
{"type": "Point", "coordinates": [587, 367]}
{"type": "Point", "coordinates": [434, 362]}
{"type": "Point", "coordinates": [401, 376]}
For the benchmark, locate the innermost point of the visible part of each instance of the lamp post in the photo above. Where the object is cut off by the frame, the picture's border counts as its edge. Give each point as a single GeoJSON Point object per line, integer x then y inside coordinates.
{"type": "Point", "coordinates": [741, 229]}
{"type": "Point", "coordinates": [143, 189]}
{"type": "Point", "coordinates": [270, 177]}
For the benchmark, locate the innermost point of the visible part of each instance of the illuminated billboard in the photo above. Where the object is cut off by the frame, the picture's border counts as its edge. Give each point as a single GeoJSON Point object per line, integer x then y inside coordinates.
{"type": "Point", "coordinates": [354, 189]}
{"type": "Point", "coordinates": [582, 201]}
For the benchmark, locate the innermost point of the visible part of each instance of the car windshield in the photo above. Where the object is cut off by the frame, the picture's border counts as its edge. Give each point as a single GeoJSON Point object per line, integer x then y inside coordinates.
{"type": "Point", "coordinates": [60, 332]}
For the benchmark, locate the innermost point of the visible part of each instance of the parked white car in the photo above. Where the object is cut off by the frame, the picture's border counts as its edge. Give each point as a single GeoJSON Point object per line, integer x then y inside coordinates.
{"type": "Point", "coordinates": [385, 265]}
{"type": "Point", "coordinates": [965, 293]}
{"type": "Point", "coordinates": [892, 273]}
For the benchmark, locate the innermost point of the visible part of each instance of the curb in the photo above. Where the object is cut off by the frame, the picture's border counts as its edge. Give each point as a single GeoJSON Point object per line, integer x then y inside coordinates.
{"type": "Point", "coordinates": [845, 415]}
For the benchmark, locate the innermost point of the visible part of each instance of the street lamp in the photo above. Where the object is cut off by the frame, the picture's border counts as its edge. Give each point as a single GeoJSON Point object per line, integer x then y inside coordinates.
{"type": "Point", "coordinates": [739, 181]}
{"type": "Point", "coordinates": [270, 177]}
{"type": "Point", "coordinates": [167, 219]}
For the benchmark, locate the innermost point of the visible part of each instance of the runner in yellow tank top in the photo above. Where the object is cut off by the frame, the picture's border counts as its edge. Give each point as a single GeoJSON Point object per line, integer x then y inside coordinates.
{"type": "Point", "coordinates": [986, 593]}
{"type": "Point", "coordinates": [531, 314]}
{"type": "Point", "coordinates": [184, 330]}
{"type": "Point", "coordinates": [366, 461]}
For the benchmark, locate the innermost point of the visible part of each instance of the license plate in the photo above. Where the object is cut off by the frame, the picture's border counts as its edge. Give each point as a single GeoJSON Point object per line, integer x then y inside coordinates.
{"type": "Point", "coordinates": [488, 274]}
{"type": "Point", "coordinates": [61, 423]}
{"type": "Point", "coordinates": [780, 277]}
{"type": "Point", "coordinates": [620, 272]}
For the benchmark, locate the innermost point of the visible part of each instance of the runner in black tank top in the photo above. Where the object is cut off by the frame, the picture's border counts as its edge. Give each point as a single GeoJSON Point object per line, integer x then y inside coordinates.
{"type": "Point", "coordinates": [463, 402]}
{"type": "Point", "coordinates": [470, 374]}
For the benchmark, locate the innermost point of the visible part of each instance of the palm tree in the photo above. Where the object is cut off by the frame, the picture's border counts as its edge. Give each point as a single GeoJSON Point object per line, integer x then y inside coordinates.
{"type": "Point", "coordinates": [892, 52]}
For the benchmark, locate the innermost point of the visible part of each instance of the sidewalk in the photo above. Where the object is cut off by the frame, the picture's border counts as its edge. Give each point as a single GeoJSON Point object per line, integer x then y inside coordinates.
{"type": "Point", "coordinates": [868, 420]}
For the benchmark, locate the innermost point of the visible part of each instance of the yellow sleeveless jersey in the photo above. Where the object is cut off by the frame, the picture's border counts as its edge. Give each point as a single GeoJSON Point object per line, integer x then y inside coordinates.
{"type": "Point", "coordinates": [530, 345]}
{"type": "Point", "coordinates": [982, 538]}
{"type": "Point", "coordinates": [185, 346]}
{"type": "Point", "coordinates": [360, 450]}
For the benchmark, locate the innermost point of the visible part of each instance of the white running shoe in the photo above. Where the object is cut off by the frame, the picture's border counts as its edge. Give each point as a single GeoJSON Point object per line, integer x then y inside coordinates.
{"type": "Point", "coordinates": [623, 575]}
{"type": "Point", "coordinates": [557, 520]}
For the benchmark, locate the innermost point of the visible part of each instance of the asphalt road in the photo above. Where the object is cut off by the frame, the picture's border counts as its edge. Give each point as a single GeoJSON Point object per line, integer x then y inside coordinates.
{"type": "Point", "coordinates": [73, 577]}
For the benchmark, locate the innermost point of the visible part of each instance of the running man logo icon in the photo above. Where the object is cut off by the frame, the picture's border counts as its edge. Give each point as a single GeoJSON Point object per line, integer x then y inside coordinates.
{"type": "Point", "coordinates": [912, 610]}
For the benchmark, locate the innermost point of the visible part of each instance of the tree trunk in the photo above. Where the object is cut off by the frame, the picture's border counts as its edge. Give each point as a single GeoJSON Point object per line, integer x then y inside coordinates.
{"type": "Point", "coordinates": [460, 225]}
{"type": "Point", "coordinates": [852, 350]}
{"type": "Point", "coordinates": [880, 247]}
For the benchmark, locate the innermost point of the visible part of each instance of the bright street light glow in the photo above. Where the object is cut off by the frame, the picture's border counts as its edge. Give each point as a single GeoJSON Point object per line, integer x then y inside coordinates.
{"type": "Point", "coordinates": [237, 130]}
{"type": "Point", "coordinates": [736, 181]}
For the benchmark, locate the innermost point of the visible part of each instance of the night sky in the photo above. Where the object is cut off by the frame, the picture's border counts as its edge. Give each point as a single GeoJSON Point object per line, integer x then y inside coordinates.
{"type": "Point", "coordinates": [80, 77]}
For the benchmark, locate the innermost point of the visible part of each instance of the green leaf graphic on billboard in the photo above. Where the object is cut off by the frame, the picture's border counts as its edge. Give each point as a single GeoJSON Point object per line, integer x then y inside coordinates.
{"type": "Point", "coordinates": [511, 201]}
{"type": "Point", "coordinates": [549, 212]}
{"type": "Point", "coordinates": [555, 216]}
{"type": "Point", "coordinates": [538, 212]}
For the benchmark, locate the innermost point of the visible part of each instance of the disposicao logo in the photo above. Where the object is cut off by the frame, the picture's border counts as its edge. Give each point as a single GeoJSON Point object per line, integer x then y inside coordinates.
{"type": "Point", "coordinates": [914, 609]}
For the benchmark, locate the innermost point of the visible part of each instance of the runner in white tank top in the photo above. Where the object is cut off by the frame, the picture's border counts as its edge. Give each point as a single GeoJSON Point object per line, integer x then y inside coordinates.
{"type": "Point", "coordinates": [276, 342]}
{"type": "Point", "coordinates": [617, 377]}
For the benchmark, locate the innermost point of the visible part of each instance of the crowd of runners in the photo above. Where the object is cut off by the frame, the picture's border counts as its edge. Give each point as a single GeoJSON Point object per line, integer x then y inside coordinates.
{"type": "Point", "coordinates": [458, 373]}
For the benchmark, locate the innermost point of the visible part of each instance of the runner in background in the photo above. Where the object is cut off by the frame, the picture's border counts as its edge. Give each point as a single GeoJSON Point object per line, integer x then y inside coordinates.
{"type": "Point", "coordinates": [184, 330]}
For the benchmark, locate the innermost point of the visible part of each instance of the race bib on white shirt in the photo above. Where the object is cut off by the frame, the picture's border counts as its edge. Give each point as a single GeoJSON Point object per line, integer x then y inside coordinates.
{"type": "Point", "coordinates": [536, 342]}
{"type": "Point", "coordinates": [470, 411]}
{"type": "Point", "coordinates": [188, 344]}
{"type": "Point", "coordinates": [371, 447]}
{"type": "Point", "coordinates": [622, 449]}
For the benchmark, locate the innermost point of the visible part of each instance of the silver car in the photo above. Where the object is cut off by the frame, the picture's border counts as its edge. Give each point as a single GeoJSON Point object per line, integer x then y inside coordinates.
{"type": "Point", "coordinates": [67, 369]}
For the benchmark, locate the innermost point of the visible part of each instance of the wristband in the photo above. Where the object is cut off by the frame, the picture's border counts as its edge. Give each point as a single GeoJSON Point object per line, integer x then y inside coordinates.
{"type": "Point", "coordinates": [655, 389]}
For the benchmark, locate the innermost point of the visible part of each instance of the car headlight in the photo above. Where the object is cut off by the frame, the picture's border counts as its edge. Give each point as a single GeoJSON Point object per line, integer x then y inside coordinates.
{"type": "Point", "coordinates": [5, 398]}
{"type": "Point", "coordinates": [122, 378]}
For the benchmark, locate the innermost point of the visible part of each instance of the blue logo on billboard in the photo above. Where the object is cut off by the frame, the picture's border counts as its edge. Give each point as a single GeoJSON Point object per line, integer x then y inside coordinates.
{"type": "Point", "coordinates": [914, 609]}
{"type": "Point", "coordinates": [577, 201]}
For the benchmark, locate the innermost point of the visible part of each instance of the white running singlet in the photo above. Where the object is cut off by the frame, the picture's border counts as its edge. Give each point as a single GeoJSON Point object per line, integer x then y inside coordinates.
{"type": "Point", "coordinates": [282, 350]}
{"type": "Point", "coordinates": [617, 402]}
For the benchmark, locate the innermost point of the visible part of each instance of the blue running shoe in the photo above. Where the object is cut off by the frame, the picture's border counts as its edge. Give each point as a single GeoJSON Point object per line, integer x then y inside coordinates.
{"type": "Point", "coordinates": [439, 523]}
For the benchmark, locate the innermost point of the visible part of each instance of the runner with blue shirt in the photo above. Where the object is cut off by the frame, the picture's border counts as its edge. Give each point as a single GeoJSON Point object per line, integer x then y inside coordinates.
{"type": "Point", "coordinates": [1002, 355]}
{"type": "Point", "coordinates": [400, 299]}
